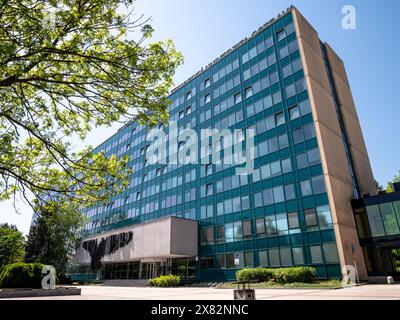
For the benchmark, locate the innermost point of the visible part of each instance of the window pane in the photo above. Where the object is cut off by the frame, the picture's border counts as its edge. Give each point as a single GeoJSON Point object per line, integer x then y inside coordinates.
{"type": "Point", "coordinates": [316, 254]}
{"type": "Point", "coordinates": [286, 165]}
{"type": "Point", "coordinates": [313, 156]}
{"type": "Point", "coordinates": [389, 218]}
{"type": "Point", "coordinates": [286, 257]}
{"type": "Point", "coordinates": [306, 187]}
{"type": "Point", "coordinates": [229, 232]}
{"type": "Point", "coordinates": [281, 223]}
{"type": "Point", "coordinates": [275, 168]}
{"type": "Point", "coordinates": [310, 217]}
{"type": "Point", "coordinates": [305, 107]}
{"type": "Point", "coordinates": [301, 160]}
{"type": "Point", "coordinates": [330, 253]}
{"type": "Point", "coordinates": [278, 194]}
{"type": "Point", "coordinates": [230, 261]}
{"type": "Point", "coordinates": [245, 203]}
{"type": "Point", "coordinates": [273, 144]}
{"type": "Point", "coordinates": [258, 199]}
{"type": "Point", "coordinates": [324, 215]}
{"type": "Point", "coordinates": [248, 259]}
{"type": "Point", "coordinates": [294, 112]}
{"type": "Point", "coordinates": [290, 192]}
{"type": "Point", "coordinates": [274, 260]}
{"type": "Point", "coordinates": [375, 221]}
{"type": "Point", "coordinates": [266, 171]}
{"type": "Point", "coordinates": [293, 220]}
{"type": "Point", "coordinates": [270, 226]}
{"type": "Point", "coordinates": [268, 197]}
{"type": "Point", "coordinates": [298, 257]}
{"type": "Point", "coordinates": [290, 91]}
{"type": "Point", "coordinates": [238, 230]}
{"type": "Point", "coordinates": [283, 141]}
{"type": "Point", "coordinates": [298, 135]}
{"type": "Point", "coordinates": [262, 258]}
{"type": "Point", "coordinates": [318, 184]}
{"type": "Point", "coordinates": [279, 119]}
{"type": "Point", "coordinates": [260, 225]}
{"type": "Point", "coordinates": [309, 131]}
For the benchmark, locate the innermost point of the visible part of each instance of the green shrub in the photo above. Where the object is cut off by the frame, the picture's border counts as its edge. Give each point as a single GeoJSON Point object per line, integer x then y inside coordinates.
{"type": "Point", "coordinates": [254, 274]}
{"type": "Point", "coordinates": [21, 275]}
{"type": "Point", "coordinates": [169, 280]}
{"type": "Point", "coordinates": [294, 274]}
{"type": "Point", "coordinates": [279, 275]}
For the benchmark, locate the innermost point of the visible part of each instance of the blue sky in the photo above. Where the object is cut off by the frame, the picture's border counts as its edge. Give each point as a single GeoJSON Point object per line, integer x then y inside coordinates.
{"type": "Point", "coordinates": [202, 30]}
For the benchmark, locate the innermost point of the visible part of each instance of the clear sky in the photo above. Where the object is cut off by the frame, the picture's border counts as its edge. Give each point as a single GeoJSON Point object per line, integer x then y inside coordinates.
{"type": "Point", "coordinates": [202, 30]}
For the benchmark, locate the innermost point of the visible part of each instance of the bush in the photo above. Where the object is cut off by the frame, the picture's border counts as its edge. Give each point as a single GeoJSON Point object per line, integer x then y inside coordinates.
{"type": "Point", "coordinates": [21, 275]}
{"type": "Point", "coordinates": [62, 278]}
{"type": "Point", "coordinates": [280, 275]}
{"type": "Point", "coordinates": [169, 280]}
{"type": "Point", "coordinates": [254, 274]}
{"type": "Point", "coordinates": [294, 274]}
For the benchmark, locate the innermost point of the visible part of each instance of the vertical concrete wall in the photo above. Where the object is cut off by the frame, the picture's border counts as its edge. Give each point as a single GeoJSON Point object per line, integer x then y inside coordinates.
{"type": "Point", "coordinates": [333, 156]}
{"type": "Point", "coordinates": [168, 237]}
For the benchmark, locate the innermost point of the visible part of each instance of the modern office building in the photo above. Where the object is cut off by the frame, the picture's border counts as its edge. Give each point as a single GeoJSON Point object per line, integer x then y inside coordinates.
{"type": "Point", "coordinates": [294, 208]}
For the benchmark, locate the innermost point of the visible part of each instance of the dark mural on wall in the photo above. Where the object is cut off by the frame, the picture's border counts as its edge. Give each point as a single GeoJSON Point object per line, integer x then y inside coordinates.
{"type": "Point", "coordinates": [106, 246]}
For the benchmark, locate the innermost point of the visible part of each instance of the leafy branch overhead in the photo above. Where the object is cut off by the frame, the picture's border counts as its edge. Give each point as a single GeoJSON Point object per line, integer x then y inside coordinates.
{"type": "Point", "coordinates": [67, 67]}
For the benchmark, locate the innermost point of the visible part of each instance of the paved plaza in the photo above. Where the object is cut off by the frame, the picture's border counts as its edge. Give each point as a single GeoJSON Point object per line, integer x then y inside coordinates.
{"type": "Point", "coordinates": [365, 292]}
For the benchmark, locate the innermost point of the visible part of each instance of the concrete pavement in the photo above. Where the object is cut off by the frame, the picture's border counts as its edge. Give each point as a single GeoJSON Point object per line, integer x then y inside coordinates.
{"type": "Point", "coordinates": [365, 292]}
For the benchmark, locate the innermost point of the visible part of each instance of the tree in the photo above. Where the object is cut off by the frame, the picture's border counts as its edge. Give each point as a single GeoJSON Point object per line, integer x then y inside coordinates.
{"type": "Point", "coordinates": [54, 234]}
{"type": "Point", "coordinates": [389, 187]}
{"type": "Point", "coordinates": [67, 67]}
{"type": "Point", "coordinates": [12, 243]}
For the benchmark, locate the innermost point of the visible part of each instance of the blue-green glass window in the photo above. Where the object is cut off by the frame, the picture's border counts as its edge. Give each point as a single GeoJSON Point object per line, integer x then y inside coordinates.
{"type": "Point", "coordinates": [286, 256]}
{"type": "Point", "coordinates": [238, 230]}
{"type": "Point", "coordinates": [389, 218]}
{"type": "Point", "coordinates": [258, 199]}
{"type": "Point", "coordinates": [306, 189]}
{"type": "Point", "coordinates": [286, 165]}
{"type": "Point", "coordinates": [330, 253]}
{"type": "Point", "coordinates": [279, 118]}
{"type": "Point", "coordinates": [268, 197]}
{"type": "Point", "coordinates": [298, 256]}
{"type": "Point", "coordinates": [270, 226]}
{"type": "Point", "coordinates": [310, 217]}
{"type": "Point", "coordinates": [298, 135]}
{"type": "Point", "coordinates": [318, 184]}
{"type": "Point", "coordinates": [229, 232]}
{"type": "Point", "coordinates": [316, 254]}
{"type": "Point", "coordinates": [290, 192]}
{"type": "Point", "coordinates": [313, 156]}
{"type": "Point", "coordinates": [324, 216]}
{"type": "Point", "coordinates": [301, 160]}
{"type": "Point", "coordinates": [281, 224]}
{"type": "Point", "coordinates": [262, 258]}
{"type": "Point", "coordinates": [294, 112]}
{"type": "Point", "coordinates": [245, 203]}
{"type": "Point", "coordinates": [273, 255]}
{"type": "Point", "coordinates": [293, 220]}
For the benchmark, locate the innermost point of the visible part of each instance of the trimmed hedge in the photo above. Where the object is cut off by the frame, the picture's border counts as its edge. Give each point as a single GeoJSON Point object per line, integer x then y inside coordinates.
{"type": "Point", "coordinates": [254, 274]}
{"type": "Point", "coordinates": [169, 280]}
{"type": "Point", "coordinates": [21, 275]}
{"type": "Point", "coordinates": [280, 275]}
{"type": "Point", "coordinates": [294, 274]}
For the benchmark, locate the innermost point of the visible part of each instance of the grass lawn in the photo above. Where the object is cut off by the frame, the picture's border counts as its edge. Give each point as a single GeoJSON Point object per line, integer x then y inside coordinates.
{"type": "Point", "coordinates": [328, 284]}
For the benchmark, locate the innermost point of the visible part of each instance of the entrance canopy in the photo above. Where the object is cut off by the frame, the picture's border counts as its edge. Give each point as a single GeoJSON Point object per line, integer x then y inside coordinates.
{"type": "Point", "coordinates": [160, 239]}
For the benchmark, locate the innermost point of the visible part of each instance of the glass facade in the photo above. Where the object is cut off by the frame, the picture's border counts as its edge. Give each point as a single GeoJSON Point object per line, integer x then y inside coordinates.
{"type": "Point", "coordinates": [378, 225]}
{"type": "Point", "coordinates": [276, 216]}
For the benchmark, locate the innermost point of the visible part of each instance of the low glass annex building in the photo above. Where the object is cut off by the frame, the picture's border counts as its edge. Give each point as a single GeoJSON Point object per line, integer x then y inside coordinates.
{"type": "Point", "coordinates": [294, 208]}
